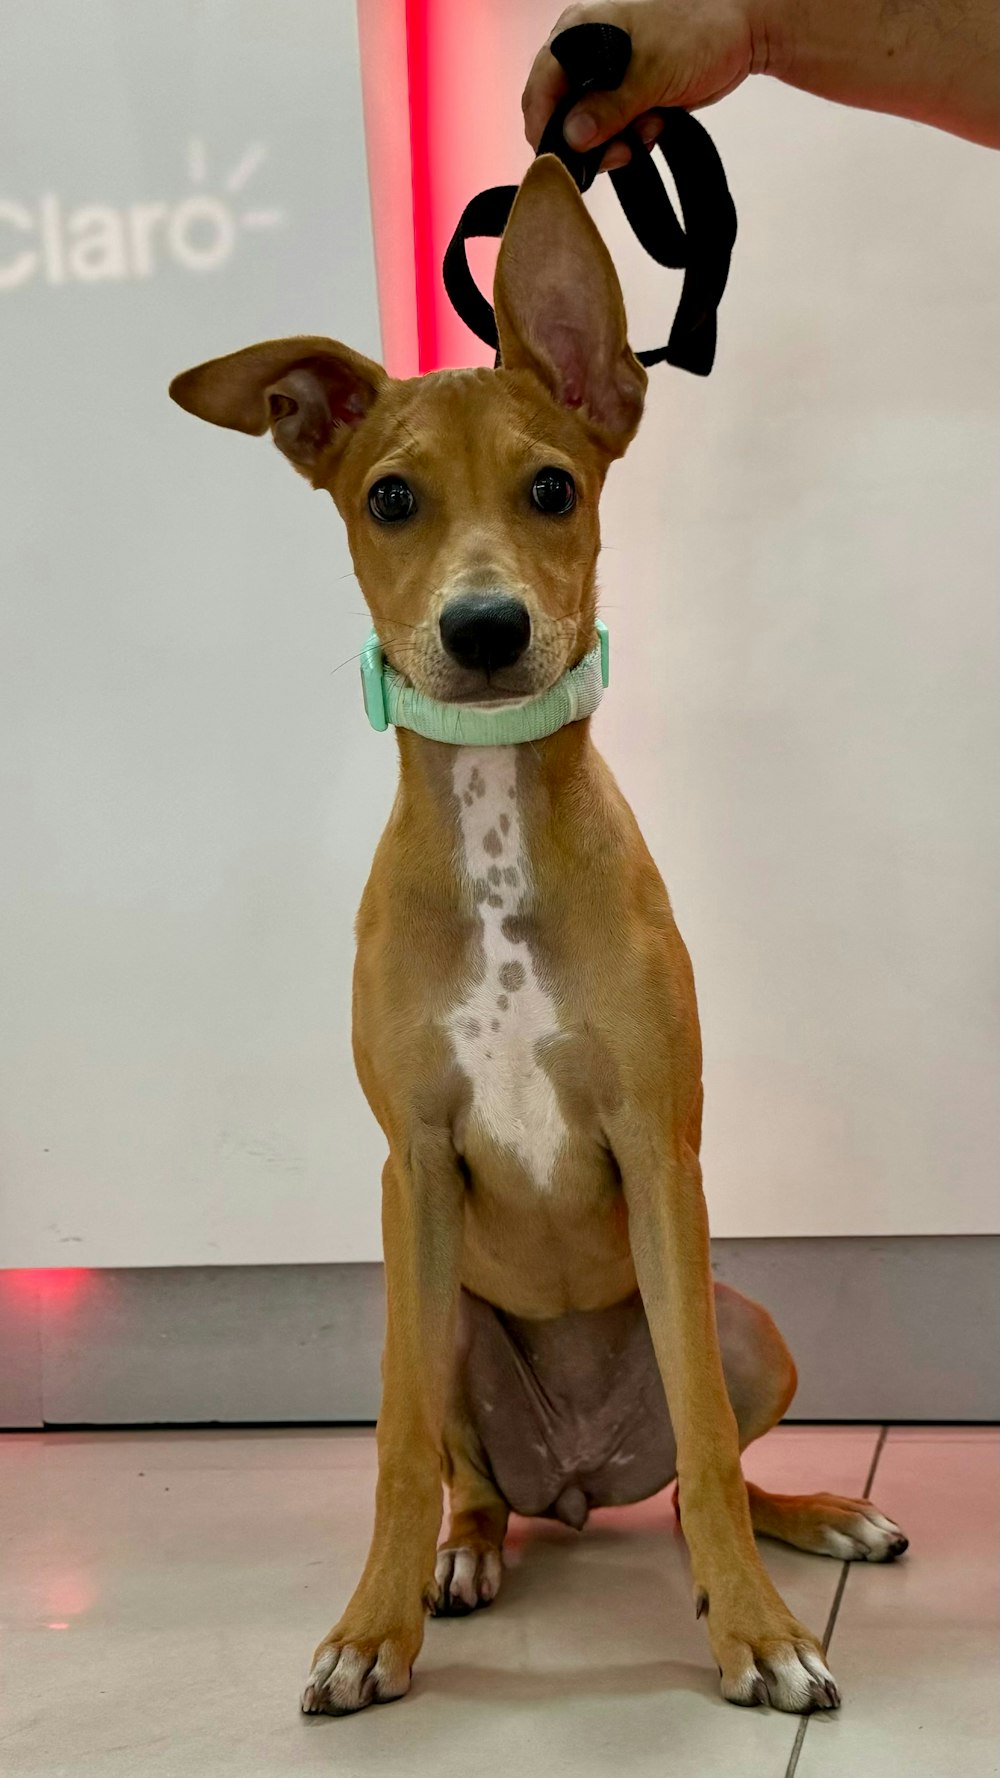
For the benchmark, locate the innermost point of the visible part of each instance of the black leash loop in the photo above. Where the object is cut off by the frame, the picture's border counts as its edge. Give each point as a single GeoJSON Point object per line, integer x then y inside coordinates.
{"type": "Point", "coordinates": [595, 58]}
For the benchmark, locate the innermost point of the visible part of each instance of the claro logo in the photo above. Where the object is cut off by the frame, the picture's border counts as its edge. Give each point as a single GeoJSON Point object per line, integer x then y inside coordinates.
{"type": "Point", "coordinates": [102, 242]}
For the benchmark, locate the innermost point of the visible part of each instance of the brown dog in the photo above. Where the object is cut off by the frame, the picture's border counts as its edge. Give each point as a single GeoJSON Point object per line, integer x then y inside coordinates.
{"type": "Point", "coordinates": [525, 1026]}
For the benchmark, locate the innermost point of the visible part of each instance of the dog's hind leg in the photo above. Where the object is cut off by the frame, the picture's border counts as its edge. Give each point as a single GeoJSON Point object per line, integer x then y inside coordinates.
{"type": "Point", "coordinates": [469, 1566]}
{"type": "Point", "coordinates": [468, 1569]}
{"type": "Point", "coordinates": [828, 1525]}
{"type": "Point", "coordinates": [760, 1378]}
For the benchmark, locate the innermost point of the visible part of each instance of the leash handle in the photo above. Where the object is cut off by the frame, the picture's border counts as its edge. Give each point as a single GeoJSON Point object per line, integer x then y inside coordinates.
{"type": "Point", "coordinates": [595, 58]}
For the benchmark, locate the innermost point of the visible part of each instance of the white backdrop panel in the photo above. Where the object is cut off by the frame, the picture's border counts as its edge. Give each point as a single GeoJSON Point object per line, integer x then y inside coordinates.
{"type": "Point", "coordinates": [799, 577]}
{"type": "Point", "coordinates": [191, 797]}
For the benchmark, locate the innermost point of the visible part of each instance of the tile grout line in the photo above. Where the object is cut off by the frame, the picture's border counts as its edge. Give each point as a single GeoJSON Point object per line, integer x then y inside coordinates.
{"type": "Point", "coordinates": [800, 1733]}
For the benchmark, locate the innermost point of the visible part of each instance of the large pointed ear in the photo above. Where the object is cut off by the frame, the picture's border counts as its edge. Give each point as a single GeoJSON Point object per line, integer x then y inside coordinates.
{"type": "Point", "coordinates": [310, 392]}
{"type": "Point", "coordinates": [559, 307]}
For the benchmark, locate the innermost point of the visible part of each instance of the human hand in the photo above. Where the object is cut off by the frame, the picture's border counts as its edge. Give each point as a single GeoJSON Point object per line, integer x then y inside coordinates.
{"type": "Point", "coordinates": [684, 52]}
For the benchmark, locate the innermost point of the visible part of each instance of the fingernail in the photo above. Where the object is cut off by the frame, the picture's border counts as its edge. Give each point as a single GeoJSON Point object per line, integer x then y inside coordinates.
{"type": "Point", "coordinates": [580, 129]}
{"type": "Point", "coordinates": [649, 129]}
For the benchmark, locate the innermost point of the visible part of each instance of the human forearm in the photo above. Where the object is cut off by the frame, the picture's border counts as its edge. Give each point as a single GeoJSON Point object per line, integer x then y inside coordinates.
{"type": "Point", "coordinates": [937, 61]}
{"type": "Point", "coordinates": [932, 60]}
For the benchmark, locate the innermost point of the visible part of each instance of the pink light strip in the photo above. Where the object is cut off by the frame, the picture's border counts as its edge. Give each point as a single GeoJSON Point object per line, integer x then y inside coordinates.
{"type": "Point", "coordinates": [418, 31]}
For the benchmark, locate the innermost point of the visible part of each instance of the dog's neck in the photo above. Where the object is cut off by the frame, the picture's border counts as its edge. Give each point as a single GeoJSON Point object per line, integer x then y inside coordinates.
{"type": "Point", "coordinates": [535, 799]}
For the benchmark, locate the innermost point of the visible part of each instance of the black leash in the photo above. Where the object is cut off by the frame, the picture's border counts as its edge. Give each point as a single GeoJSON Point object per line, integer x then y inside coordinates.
{"type": "Point", "coordinates": [595, 58]}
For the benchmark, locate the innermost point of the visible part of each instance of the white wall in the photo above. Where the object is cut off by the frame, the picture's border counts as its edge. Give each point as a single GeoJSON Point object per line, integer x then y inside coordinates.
{"type": "Point", "coordinates": [801, 579]}
{"type": "Point", "coordinates": [190, 794]}
{"type": "Point", "coordinates": [799, 576]}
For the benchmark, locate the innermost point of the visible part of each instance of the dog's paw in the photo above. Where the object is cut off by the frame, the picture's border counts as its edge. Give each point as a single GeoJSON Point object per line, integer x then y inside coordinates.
{"type": "Point", "coordinates": [465, 1577]}
{"type": "Point", "coordinates": [766, 1656]}
{"type": "Point", "coordinates": [348, 1676]}
{"type": "Point", "coordinates": [851, 1531]}
{"type": "Point", "coordinates": [789, 1675]}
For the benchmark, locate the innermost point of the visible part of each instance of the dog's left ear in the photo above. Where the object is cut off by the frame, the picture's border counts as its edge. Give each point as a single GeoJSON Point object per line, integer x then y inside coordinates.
{"type": "Point", "coordinates": [310, 392]}
{"type": "Point", "coordinates": [559, 307]}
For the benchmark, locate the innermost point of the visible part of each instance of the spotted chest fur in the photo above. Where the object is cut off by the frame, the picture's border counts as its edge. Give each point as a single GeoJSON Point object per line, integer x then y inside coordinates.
{"type": "Point", "coordinates": [498, 1027]}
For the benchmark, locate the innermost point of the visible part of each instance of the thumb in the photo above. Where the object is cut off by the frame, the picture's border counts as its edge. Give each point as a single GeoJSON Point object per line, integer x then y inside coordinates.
{"type": "Point", "coordinates": [601, 115]}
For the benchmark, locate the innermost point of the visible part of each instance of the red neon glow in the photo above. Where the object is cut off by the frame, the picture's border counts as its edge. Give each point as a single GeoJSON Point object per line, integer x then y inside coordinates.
{"type": "Point", "coordinates": [54, 1286]}
{"type": "Point", "coordinates": [57, 1626]}
{"type": "Point", "coordinates": [70, 1593]}
{"type": "Point", "coordinates": [424, 261]}
{"type": "Point", "coordinates": [441, 81]}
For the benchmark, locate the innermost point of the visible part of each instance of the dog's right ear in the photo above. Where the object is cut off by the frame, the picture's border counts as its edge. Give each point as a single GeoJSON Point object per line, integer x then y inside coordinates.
{"type": "Point", "coordinates": [310, 392]}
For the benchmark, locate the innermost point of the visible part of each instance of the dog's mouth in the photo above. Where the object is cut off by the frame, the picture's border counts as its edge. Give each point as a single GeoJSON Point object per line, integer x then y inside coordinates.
{"type": "Point", "coordinates": [490, 696]}
{"type": "Point", "coordinates": [474, 689]}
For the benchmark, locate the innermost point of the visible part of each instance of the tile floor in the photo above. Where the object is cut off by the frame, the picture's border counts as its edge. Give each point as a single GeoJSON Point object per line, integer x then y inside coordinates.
{"type": "Point", "coordinates": [160, 1594]}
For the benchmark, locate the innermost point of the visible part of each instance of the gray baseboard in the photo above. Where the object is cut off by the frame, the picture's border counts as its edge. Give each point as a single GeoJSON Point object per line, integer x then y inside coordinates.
{"type": "Point", "coordinates": [902, 1328]}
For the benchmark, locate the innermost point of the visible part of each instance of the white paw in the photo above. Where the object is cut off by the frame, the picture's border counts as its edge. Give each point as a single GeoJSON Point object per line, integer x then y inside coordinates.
{"type": "Point", "coordinates": [858, 1532]}
{"type": "Point", "coordinates": [788, 1678]}
{"type": "Point", "coordinates": [465, 1578]}
{"type": "Point", "coordinates": [347, 1677]}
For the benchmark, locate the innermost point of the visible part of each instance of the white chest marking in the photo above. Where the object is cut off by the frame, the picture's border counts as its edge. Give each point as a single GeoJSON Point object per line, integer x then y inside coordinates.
{"type": "Point", "coordinates": [497, 1028]}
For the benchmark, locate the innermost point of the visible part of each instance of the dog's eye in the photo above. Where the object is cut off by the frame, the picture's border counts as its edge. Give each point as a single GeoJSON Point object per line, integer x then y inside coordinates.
{"type": "Point", "coordinates": [391, 500]}
{"type": "Point", "coordinates": [554, 491]}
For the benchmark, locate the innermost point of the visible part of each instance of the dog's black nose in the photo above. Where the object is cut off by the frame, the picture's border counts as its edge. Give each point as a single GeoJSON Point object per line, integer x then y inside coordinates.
{"type": "Point", "coordinates": [485, 633]}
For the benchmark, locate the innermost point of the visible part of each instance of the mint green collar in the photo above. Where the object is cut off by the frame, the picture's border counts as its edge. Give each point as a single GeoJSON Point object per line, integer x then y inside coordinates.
{"type": "Point", "coordinates": [389, 698]}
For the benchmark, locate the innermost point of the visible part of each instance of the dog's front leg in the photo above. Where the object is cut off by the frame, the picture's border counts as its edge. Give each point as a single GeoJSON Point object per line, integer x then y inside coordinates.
{"type": "Point", "coordinates": [763, 1653]}
{"type": "Point", "coordinates": [367, 1657]}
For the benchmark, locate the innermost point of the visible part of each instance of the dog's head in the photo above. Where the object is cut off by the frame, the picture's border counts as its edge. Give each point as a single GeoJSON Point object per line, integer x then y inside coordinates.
{"type": "Point", "coordinates": [470, 496]}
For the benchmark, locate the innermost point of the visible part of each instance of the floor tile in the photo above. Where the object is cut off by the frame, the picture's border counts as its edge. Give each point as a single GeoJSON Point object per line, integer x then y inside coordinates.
{"type": "Point", "coordinates": [194, 1571]}
{"type": "Point", "coordinates": [915, 1646]}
